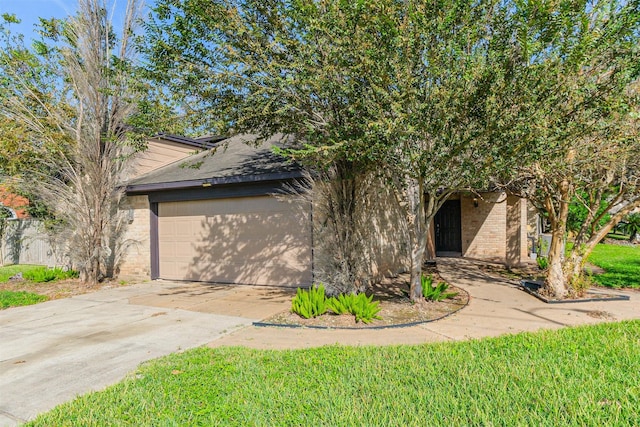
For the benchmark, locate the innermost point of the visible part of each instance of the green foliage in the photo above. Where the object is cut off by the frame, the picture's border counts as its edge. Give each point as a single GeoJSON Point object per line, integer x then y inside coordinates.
{"type": "Point", "coordinates": [511, 380]}
{"type": "Point", "coordinates": [365, 309]}
{"type": "Point", "coordinates": [19, 298]}
{"type": "Point", "coordinates": [632, 225]}
{"type": "Point", "coordinates": [342, 304]}
{"type": "Point", "coordinates": [578, 213]}
{"type": "Point", "coordinates": [543, 262]}
{"type": "Point", "coordinates": [310, 302]}
{"type": "Point", "coordinates": [361, 306]}
{"type": "Point", "coordinates": [580, 283]}
{"type": "Point", "coordinates": [44, 274]}
{"type": "Point", "coordinates": [7, 271]}
{"type": "Point", "coordinates": [436, 292]}
{"type": "Point", "coordinates": [313, 303]}
{"type": "Point", "coordinates": [433, 95]}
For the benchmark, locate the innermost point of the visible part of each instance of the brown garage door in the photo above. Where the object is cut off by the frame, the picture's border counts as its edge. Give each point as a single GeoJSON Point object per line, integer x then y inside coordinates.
{"type": "Point", "coordinates": [250, 240]}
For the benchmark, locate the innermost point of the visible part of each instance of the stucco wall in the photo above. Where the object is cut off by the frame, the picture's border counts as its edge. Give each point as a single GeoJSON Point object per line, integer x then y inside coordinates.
{"type": "Point", "coordinates": [135, 260]}
{"type": "Point", "coordinates": [158, 153]}
{"type": "Point", "coordinates": [389, 246]}
{"type": "Point", "coordinates": [379, 237]}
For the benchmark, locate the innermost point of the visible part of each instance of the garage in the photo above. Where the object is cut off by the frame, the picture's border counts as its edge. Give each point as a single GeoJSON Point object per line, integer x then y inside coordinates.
{"type": "Point", "coordinates": [261, 240]}
{"type": "Point", "coordinates": [227, 215]}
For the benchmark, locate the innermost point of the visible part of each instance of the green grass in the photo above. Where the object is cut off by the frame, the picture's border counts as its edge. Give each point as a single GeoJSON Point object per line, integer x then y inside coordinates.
{"type": "Point", "coordinates": [577, 376]}
{"type": "Point", "coordinates": [36, 273]}
{"type": "Point", "coordinates": [8, 271]}
{"type": "Point", "coordinates": [19, 298]}
{"type": "Point", "coordinates": [621, 265]}
{"type": "Point", "coordinates": [45, 274]}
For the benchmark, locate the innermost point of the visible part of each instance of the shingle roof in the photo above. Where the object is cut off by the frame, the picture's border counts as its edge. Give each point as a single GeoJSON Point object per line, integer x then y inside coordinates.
{"type": "Point", "coordinates": [233, 161]}
{"type": "Point", "coordinates": [207, 141]}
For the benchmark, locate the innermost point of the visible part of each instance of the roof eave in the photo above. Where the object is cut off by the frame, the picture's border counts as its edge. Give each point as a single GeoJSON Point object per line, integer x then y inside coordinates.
{"type": "Point", "coordinates": [203, 143]}
{"type": "Point", "coordinates": [139, 189]}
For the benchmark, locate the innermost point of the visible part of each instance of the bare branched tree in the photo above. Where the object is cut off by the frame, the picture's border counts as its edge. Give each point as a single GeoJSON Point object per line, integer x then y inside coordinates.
{"type": "Point", "coordinates": [355, 230]}
{"type": "Point", "coordinates": [73, 92]}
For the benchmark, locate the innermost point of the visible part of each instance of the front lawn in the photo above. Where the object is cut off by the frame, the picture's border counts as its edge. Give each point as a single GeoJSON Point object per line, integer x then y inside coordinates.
{"type": "Point", "coordinates": [579, 376]}
{"type": "Point", "coordinates": [14, 293]}
{"type": "Point", "coordinates": [19, 298]}
{"type": "Point", "coordinates": [621, 265]}
{"type": "Point", "coordinates": [8, 271]}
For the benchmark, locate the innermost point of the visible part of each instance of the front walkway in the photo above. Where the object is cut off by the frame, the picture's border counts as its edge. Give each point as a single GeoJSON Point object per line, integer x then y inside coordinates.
{"type": "Point", "coordinates": [496, 307]}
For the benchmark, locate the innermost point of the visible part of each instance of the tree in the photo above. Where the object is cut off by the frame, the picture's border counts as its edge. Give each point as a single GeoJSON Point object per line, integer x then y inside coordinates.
{"type": "Point", "coordinates": [72, 93]}
{"type": "Point", "coordinates": [572, 103]}
{"type": "Point", "coordinates": [394, 87]}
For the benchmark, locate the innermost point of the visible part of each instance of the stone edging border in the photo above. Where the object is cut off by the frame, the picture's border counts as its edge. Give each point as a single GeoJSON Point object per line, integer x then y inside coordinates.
{"type": "Point", "coordinates": [396, 326]}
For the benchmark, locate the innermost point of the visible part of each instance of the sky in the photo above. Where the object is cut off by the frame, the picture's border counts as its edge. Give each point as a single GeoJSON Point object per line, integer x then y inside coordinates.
{"type": "Point", "coordinates": [29, 11]}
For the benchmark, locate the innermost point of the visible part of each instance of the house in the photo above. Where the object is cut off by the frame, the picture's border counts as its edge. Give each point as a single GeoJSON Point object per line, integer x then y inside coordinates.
{"type": "Point", "coordinates": [14, 204]}
{"type": "Point", "coordinates": [229, 217]}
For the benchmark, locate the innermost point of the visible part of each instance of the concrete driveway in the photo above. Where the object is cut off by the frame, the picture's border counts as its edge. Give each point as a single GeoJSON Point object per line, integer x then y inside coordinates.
{"type": "Point", "coordinates": [52, 352]}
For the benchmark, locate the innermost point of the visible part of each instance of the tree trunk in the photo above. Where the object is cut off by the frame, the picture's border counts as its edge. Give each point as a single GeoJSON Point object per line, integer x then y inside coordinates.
{"type": "Point", "coordinates": [556, 285]}
{"type": "Point", "coordinates": [417, 227]}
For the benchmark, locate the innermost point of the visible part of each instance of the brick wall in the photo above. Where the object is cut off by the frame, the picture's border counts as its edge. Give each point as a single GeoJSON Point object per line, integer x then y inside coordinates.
{"type": "Point", "coordinates": [484, 228]}
{"type": "Point", "coordinates": [516, 231]}
{"type": "Point", "coordinates": [13, 201]}
{"type": "Point", "coordinates": [495, 230]}
{"type": "Point", "coordinates": [136, 257]}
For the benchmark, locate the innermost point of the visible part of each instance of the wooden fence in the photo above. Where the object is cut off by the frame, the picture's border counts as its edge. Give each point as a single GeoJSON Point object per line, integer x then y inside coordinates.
{"type": "Point", "coordinates": [26, 242]}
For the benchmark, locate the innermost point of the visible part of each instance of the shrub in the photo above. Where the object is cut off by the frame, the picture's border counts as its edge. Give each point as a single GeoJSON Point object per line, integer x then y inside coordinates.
{"type": "Point", "coordinates": [360, 305]}
{"type": "Point", "coordinates": [632, 227]}
{"type": "Point", "coordinates": [44, 274]}
{"type": "Point", "coordinates": [342, 304]}
{"type": "Point", "coordinates": [433, 292]}
{"type": "Point", "coordinates": [313, 303]}
{"type": "Point", "coordinates": [543, 262]}
{"type": "Point", "coordinates": [310, 303]}
{"type": "Point", "coordinates": [365, 309]}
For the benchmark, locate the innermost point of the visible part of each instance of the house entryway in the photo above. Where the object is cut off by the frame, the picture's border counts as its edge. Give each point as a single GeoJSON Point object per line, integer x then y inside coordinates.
{"type": "Point", "coordinates": [448, 229]}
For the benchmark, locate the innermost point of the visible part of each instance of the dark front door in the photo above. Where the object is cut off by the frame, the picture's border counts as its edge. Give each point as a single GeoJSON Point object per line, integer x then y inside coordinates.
{"type": "Point", "coordinates": [448, 228]}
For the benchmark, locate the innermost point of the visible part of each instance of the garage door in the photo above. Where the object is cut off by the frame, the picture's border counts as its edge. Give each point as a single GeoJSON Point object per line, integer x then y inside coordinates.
{"type": "Point", "coordinates": [248, 240]}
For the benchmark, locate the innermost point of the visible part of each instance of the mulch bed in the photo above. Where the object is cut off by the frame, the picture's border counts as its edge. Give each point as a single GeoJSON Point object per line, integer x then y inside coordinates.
{"type": "Point", "coordinates": [56, 290]}
{"type": "Point", "coordinates": [594, 294]}
{"type": "Point", "coordinates": [530, 280]}
{"type": "Point", "coordinates": [396, 309]}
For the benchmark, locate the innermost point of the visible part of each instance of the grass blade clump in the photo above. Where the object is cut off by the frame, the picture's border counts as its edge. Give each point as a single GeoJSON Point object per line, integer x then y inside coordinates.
{"type": "Point", "coordinates": [310, 303]}
{"type": "Point", "coordinates": [342, 304]}
{"type": "Point", "coordinates": [44, 274]}
{"type": "Point", "coordinates": [436, 292]}
{"type": "Point", "coordinates": [362, 307]}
